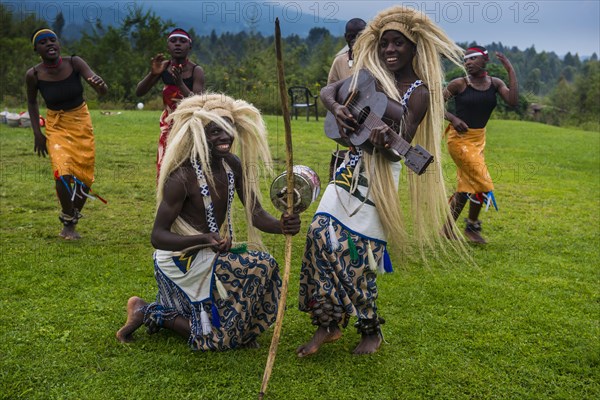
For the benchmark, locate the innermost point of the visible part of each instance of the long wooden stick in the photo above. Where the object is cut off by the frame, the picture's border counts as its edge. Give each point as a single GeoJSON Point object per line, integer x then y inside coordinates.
{"type": "Point", "coordinates": [290, 206]}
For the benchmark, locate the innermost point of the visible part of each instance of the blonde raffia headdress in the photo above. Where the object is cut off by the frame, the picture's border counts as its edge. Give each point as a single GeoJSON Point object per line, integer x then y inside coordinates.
{"type": "Point", "coordinates": [428, 199]}
{"type": "Point", "coordinates": [187, 141]}
{"type": "Point", "coordinates": [390, 23]}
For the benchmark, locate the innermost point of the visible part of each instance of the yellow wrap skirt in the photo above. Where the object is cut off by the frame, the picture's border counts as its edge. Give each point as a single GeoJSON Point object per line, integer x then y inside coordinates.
{"type": "Point", "coordinates": [70, 143]}
{"type": "Point", "coordinates": [466, 149]}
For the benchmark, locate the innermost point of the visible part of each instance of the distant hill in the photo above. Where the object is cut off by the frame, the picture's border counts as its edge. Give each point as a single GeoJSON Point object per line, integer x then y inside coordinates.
{"type": "Point", "coordinates": [203, 17]}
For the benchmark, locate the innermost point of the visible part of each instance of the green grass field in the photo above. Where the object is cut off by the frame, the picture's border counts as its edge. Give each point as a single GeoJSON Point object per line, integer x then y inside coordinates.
{"type": "Point", "coordinates": [522, 324]}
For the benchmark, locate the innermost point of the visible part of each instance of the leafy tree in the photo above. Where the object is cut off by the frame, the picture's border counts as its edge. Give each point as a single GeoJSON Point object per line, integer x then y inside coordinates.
{"type": "Point", "coordinates": [59, 24]}
{"type": "Point", "coordinates": [572, 60]}
{"type": "Point", "coordinates": [454, 73]}
{"type": "Point", "coordinates": [533, 83]}
{"type": "Point", "coordinates": [569, 73]}
{"type": "Point", "coordinates": [243, 64]}
{"type": "Point", "coordinates": [146, 31]}
{"type": "Point", "coordinates": [317, 70]}
{"type": "Point", "coordinates": [587, 93]}
{"type": "Point", "coordinates": [110, 55]}
{"type": "Point", "coordinates": [561, 101]}
{"type": "Point", "coordinates": [18, 55]}
{"type": "Point", "coordinates": [316, 36]}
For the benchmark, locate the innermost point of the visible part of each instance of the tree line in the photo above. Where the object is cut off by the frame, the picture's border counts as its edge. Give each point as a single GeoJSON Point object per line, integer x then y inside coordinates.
{"type": "Point", "coordinates": [566, 90]}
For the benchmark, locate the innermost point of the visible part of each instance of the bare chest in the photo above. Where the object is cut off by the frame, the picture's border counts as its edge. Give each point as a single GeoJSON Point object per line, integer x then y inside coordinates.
{"type": "Point", "coordinates": [201, 206]}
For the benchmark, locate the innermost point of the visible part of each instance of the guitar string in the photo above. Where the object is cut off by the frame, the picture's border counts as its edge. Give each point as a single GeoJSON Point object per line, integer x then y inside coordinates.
{"type": "Point", "coordinates": [372, 121]}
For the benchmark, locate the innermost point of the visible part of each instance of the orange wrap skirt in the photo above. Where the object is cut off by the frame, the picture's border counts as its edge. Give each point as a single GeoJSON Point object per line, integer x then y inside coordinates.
{"type": "Point", "coordinates": [466, 149]}
{"type": "Point", "coordinates": [70, 143]}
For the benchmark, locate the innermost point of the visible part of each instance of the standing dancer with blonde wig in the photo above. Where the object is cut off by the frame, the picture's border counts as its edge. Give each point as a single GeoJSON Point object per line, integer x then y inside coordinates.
{"type": "Point", "coordinates": [359, 214]}
{"type": "Point", "coordinates": [215, 295]}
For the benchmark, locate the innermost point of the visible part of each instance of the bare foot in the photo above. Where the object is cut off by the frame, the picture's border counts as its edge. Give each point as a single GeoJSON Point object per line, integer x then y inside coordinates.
{"type": "Point", "coordinates": [68, 233]}
{"type": "Point", "coordinates": [135, 318]}
{"type": "Point", "coordinates": [322, 335]}
{"type": "Point", "coordinates": [368, 344]}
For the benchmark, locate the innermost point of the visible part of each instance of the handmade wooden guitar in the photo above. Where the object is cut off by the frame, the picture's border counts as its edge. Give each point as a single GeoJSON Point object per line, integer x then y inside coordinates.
{"type": "Point", "coordinates": [372, 109]}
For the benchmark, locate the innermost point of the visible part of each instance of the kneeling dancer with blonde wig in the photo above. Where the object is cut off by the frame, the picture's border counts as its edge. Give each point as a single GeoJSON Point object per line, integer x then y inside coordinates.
{"type": "Point", "coordinates": [216, 294]}
{"type": "Point", "coordinates": [360, 211]}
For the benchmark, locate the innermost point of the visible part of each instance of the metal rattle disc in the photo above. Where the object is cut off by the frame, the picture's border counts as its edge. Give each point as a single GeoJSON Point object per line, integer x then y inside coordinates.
{"type": "Point", "coordinates": [307, 187]}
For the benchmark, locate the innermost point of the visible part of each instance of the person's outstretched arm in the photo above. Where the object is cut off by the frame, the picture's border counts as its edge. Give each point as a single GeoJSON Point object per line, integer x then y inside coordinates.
{"type": "Point", "coordinates": [509, 94]}
{"type": "Point", "coordinates": [95, 81]}
{"type": "Point", "coordinates": [157, 65]}
{"type": "Point", "coordinates": [261, 219]}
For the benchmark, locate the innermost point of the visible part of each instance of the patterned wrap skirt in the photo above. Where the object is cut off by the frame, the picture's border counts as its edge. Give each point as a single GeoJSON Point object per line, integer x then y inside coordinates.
{"type": "Point", "coordinates": [171, 96]}
{"type": "Point", "coordinates": [253, 287]}
{"type": "Point", "coordinates": [335, 275]}
{"type": "Point", "coordinates": [70, 143]}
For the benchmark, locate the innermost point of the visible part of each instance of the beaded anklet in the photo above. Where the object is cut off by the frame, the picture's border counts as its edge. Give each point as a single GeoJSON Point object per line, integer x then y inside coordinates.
{"type": "Point", "coordinates": [70, 220]}
{"type": "Point", "coordinates": [369, 327]}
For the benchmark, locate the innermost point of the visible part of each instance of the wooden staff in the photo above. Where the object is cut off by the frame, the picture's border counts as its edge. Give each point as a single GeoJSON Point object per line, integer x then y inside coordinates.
{"type": "Point", "coordinates": [290, 207]}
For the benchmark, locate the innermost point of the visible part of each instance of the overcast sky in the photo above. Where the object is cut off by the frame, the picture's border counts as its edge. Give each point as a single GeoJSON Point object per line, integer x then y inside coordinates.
{"type": "Point", "coordinates": [550, 25]}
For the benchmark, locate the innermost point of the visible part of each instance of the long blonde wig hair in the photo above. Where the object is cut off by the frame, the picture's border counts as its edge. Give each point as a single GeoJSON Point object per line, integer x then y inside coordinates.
{"type": "Point", "coordinates": [187, 141]}
{"type": "Point", "coordinates": [428, 201]}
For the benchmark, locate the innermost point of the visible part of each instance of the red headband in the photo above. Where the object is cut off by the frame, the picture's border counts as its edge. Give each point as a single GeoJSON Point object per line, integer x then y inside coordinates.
{"type": "Point", "coordinates": [180, 33]}
{"type": "Point", "coordinates": [480, 52]}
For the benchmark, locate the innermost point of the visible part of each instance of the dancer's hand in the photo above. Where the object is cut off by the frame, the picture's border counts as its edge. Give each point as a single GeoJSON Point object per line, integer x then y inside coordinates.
{"type": "Point", "coordinates": [505, 62]}
{"type": "Point", "coordinates": [97, 81]}
{"type": "Point", "coordinates": [177, 74]}
{"type": "Point", "coordinates": [459, 125]}
{"type": "Point", "coordinates": [379, 137]}
{"type": "Point", "coordinates": [39, 145]}
{"type": "Point", "coordinates": [216, 243]}
{"type": "Point", "coordinates": [158, 64]}
{"type": "Point", "coordinates": [290, 224]}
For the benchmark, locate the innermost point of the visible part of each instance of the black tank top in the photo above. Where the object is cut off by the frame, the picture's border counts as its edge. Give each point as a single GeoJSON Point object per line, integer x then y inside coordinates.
{"type": "Point", "coordinates": [168, 79]}
{"type": "Point", "coordinates": [62, 95]}
{"type": "Point", "coordinates": [475, 106]}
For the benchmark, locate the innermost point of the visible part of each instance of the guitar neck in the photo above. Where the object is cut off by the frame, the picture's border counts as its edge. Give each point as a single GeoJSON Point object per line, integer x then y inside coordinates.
{"type": "Point", "coordinates": [397, 142]}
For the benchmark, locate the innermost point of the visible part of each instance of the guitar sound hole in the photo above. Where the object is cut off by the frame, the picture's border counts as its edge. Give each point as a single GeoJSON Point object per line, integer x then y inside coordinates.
{"type": "Point", "coordinates": [363, 114]}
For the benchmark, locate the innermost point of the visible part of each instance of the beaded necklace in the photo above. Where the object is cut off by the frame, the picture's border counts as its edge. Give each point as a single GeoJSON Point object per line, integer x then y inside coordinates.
{"type": "Point", "coordinates": [214, 228]}
{"type": "Point", "coordinates": [208, 204]}
{"type": "Point", "coordinates": [54, 65]}
{"type": "Point", "coordinates": [182, 65]}
{"type": "Point", "coordinates": [406, 96]}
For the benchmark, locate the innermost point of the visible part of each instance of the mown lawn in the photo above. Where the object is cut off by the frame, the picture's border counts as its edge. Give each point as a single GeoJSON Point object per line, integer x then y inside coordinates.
{"type": "Point", "coordinates": [522, 324]}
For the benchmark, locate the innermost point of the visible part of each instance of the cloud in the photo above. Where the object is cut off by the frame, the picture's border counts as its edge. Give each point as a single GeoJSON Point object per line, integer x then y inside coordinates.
{"type": "Point", "coordinates": [559, 26]}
